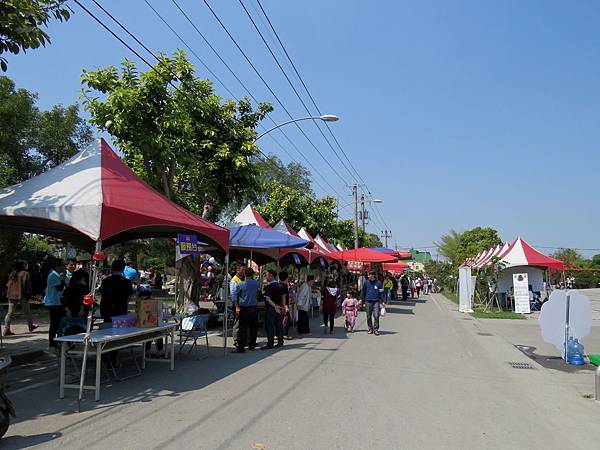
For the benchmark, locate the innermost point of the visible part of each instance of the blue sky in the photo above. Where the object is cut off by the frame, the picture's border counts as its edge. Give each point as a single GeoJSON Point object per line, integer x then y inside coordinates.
{"type": "Point", "coordinates": [456, 114]}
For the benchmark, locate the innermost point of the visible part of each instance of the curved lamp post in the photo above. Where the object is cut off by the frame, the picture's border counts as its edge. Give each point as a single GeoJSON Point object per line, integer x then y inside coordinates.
{"type": "Point", "coordinates": [324, 118]}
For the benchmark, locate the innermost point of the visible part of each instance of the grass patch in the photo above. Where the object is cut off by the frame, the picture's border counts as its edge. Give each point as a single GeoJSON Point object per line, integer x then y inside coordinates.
{"type": "Point", "coordinates": [480, 314]}
{"type": "Point", "coordinates": [450, 296]}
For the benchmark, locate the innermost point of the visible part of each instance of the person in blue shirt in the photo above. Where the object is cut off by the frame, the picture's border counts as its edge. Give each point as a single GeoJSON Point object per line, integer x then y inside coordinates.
{"type": "Point", "coordinates": [52, 300]}
{"type": "Point", "coordinates": [371, 294]}
{"type": "Point", "coordinates": [245, 299]}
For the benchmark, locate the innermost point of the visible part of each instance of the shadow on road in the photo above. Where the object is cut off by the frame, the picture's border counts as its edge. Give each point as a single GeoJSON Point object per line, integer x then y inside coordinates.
{"type": "Point", "coordinates": [394, 310]}
{"type": "Point", "coordinates": [553, 362]}
{"type": "Point", "coordinates": [19, 441]}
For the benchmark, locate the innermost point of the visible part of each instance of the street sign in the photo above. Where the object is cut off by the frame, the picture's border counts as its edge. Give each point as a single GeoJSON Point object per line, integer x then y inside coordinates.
{"type": "Point", "coordinates": [188, 244]}
{"type": "Point", "coordinates": [521, 293]}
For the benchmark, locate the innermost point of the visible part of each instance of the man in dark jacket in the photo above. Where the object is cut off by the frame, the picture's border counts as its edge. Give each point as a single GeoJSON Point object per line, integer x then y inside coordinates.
{"type": "Point", "coordinates": [115, 291]}
{"type": "Point", "coordinates": [371, 294]}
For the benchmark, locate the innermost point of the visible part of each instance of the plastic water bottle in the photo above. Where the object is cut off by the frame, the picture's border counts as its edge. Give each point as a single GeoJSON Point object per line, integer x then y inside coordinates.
{"type": "Point", "coordinates": [575, 352]}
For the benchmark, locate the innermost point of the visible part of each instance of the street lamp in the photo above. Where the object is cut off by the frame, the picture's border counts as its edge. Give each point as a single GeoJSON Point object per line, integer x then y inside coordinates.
{"type": "Point", "coordinates": [324, 118]}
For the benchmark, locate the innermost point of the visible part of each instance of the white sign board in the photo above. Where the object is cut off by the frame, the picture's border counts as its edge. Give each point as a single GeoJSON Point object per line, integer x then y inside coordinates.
{"type": "Point", "coordinates": [521, 293]}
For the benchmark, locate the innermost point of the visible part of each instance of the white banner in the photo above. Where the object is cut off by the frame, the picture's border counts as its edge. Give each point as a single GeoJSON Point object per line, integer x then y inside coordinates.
{"type": "Point", "coordinates": [465, 290]}
{"type": "Point", "coordinates": [521, 293]}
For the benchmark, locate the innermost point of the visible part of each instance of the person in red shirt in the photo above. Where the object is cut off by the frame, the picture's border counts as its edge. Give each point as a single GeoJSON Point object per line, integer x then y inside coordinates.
{"type": "Point", "coordinates": [329, 299]}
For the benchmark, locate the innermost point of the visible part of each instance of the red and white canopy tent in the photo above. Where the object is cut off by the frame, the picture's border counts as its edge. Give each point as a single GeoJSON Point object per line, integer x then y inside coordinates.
{"type": "Point", "coordinates": [523, 254]}
{"type": "Point", "coordinates": [325, 246]}
{"type": "Point", "coordinates": [94, 200]}
{"type": "Point", "coordinates": [317, 253]}
{"type": "Point", "coordinates": [286, 255]}
{"type": "Point", "coordinates": [249, 215]}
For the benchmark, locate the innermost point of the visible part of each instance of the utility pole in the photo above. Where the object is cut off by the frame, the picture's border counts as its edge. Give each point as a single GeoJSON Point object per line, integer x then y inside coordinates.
{"type": "Point", "coordinates": [355, 193]}
{"type": "Point", "coordinates": [386, 234]}
{"type": "Point", "coordinates": [364, 211]}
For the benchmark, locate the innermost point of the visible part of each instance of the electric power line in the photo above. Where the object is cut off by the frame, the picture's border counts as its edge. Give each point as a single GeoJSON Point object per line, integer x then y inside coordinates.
{"type": "Point", "coordinates": [152, 53]}
{"type": "Point", "coordinates": [313, 100]}
{"type": "Point", "coordinates": [215, 15]}
{"type": "Point", "coordinates": [214, 50]}
{"type": "Point", "coordinates": [294, 88]}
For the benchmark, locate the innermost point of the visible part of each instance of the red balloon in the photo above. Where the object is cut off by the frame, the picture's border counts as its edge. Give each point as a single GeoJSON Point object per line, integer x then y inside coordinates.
{"type": "Point", "coordinates": [98, 256]}
{"type": "Point", "coordinates": [88, 300]}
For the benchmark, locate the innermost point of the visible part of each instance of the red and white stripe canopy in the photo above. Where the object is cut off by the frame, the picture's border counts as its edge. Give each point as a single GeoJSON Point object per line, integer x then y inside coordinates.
{"type": "Point", "coordinates": [250, 216]}
{"type": "Point", "coordinates": [523, 254]}
{"type": "Point", "coordinates": [317, 251]}
{"type": "Point", "coordinates": [95, 196]}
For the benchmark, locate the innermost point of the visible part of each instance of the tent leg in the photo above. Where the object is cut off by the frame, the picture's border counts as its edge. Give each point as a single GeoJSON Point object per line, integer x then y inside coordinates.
{"type": "Point", "coordinates": [94, 285]}
{"type": "Point", "coordinates": [226, 308]}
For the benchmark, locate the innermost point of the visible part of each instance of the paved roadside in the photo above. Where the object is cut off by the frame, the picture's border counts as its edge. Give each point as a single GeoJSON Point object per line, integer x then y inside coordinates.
{"type": "Point", "coordinates": [431, 380]}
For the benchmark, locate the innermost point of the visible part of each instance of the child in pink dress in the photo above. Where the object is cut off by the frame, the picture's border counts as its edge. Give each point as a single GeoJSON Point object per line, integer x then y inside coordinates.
{"type": "Point", "coordinates": [350, 310]}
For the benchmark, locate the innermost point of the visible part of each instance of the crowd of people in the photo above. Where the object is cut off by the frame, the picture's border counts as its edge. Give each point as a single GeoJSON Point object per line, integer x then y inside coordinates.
{"type": "Point", "coordinates": [69, 282]}
{"type": "Point", "coordinates": [372, 293]}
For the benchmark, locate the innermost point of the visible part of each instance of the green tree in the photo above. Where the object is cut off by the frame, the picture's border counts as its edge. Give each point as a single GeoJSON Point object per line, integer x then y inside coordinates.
{"type": "Point", "coordinates": [270, 170]}
{"type": "Point", "coordinates": [476, 240]}
{"type": "Point", "coordinates": [185, 141]}
{"type": "Point", "coordinates": [569, 256]}
{"type": "Point", "coordinates": [21, 23]}
{"type": "Point", "coordinates": [31, 142]}
{"type": "Point", "coordinates": [368, 240]}
{"type": "Point", "coordinates": [457, 246]}
{"type": "Point", "coordinates": [302, 209]}
{"type": "Point", "coordinates": [596, 260]}
{"type": "Point", "coordinates": [449, 246]}
{"type": "Point", "coordinates": [443, 272]}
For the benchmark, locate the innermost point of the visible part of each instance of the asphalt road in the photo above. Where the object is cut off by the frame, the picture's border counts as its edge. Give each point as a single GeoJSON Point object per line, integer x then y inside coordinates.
{"type": "Point", "coordinates": [433, 379]}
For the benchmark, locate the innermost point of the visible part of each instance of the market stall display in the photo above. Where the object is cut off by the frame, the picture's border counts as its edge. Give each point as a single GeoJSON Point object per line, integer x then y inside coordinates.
{"type": "Point", "coordinates": [94, 200]}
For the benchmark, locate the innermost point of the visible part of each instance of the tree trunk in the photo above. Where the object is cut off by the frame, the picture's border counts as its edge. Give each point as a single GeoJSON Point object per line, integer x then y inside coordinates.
{"type": "Point", "coordinates": [188, 282]}
{"type": "Point", "coordinates": [207, 211]}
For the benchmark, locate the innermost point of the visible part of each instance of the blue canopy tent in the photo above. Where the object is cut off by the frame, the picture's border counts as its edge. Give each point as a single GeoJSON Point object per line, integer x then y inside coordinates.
{"type": "Point", "coordinates": [260, 244]}
{"type": "Point", "coordinates": [251, 236]}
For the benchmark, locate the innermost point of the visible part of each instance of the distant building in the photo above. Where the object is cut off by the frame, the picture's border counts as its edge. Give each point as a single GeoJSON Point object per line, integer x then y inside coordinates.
{"type": "Point", "coordinates": [419, 256]}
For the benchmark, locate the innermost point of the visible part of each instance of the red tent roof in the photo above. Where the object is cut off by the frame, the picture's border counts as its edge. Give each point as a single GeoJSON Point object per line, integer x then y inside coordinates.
{"type": "Point", "coordinates": [250, 216]}
{"type": "Point", "coordinates": [363, 255]}
{"type": "Point", "coordinates": [523, 254]}
{"type": "Point", "coordinates": [95, 196]}
{"type": "Point", "coordinates": [396, 267]}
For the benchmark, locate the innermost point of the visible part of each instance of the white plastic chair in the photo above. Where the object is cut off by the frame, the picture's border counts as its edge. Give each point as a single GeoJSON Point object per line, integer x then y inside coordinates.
{"type": "Point", "coordinates": [193, 327]}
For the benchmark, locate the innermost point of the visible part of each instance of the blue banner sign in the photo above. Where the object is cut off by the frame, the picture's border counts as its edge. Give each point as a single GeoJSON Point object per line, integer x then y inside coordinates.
{"type": "Point", "coordinates": [188, 244]}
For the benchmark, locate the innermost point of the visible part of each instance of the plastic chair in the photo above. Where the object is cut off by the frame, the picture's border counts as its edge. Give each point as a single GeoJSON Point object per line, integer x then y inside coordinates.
{"type": "Point", "coordinates": [193, 327]}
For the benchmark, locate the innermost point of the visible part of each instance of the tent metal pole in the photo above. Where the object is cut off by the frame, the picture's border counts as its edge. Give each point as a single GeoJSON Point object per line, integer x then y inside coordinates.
{"type": "Point", "coordinates": [86, 339]}
{"type": "Point", "coordinates": [567, 320]}
{"type": "Point", "coordinates": [226, 308]}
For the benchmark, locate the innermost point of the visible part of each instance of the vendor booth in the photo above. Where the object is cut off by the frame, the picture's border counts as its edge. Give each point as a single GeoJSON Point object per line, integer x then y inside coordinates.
{"type": "Point", "coordinates": [94, 200]}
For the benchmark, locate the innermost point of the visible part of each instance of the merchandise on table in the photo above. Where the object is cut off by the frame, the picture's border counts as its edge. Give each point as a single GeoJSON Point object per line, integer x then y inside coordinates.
{"type": "Point", "coordinates": [124, 321]}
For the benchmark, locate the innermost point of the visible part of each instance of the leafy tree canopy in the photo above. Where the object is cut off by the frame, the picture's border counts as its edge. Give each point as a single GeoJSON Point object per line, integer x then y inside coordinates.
{"type": "Point", "coordinates": [449, 245]}
{"type": "Point", "coordinates": [33, 141]}
{"type": "Point", "coordinates": [568, 255]}
{"type": "Point", "coordinates": [270, 170]}
{"type": "Point", "coordinates": [21, 23]}
{"type": "Point", "coordinates": [185, 140]}
{"type": "Point", "coordinates": [458, 246]}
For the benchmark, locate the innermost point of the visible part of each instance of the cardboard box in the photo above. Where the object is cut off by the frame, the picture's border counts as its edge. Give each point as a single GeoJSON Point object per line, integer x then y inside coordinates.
{"type": "Point", "coordinates": [148, 313]}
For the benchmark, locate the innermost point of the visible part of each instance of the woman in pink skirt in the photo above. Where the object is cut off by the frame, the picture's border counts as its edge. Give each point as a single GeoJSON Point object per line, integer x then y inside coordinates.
{"type": "Point", "coordinates": [350, 310]}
